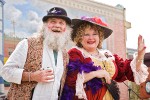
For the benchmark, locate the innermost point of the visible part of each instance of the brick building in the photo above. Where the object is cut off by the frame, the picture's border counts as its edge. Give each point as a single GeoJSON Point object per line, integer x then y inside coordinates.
{"type": "Point", "coordinates": [9, 46]}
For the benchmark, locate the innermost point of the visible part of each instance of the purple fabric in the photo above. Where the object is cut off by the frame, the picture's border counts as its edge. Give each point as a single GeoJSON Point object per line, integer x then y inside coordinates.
{"type": "Point", "coordinates": [94, 84]}
{"type": "Point", "coordinates": [68, 93]}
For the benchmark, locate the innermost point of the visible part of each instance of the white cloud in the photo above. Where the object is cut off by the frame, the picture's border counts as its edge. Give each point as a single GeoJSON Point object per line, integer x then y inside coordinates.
{"type": "Point", "coordinates": [33, 16]}
{"type": "Point", "coordinates": [23, 25]}
{"type": "Point", "coordinates": [11, 13]}
{"type": "Point", "coordinates": [41, 5]}
{"type": "Point", "coordinates": [19, 34]}
{"type": "Point", "coordinates": [11, 2]}
{"type": "Point", "coordinates": [32, 22]}
{"type": "Point", "coordinates": [28, 26]}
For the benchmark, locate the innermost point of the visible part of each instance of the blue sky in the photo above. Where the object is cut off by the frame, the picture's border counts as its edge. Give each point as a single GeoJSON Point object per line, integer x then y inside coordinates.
{"type": "Point", "coordinates": [28, 14]}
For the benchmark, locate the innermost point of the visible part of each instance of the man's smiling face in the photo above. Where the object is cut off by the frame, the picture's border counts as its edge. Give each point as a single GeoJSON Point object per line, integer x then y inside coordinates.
{"type": "Point", "coordinates": [56, 25]}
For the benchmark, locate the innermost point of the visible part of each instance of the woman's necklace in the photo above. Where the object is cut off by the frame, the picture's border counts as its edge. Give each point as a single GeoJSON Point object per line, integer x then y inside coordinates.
{"type": "Point", "coordinates": [94, 54]}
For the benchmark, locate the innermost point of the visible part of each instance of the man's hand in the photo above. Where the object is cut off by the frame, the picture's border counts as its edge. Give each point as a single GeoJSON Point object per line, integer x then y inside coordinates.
{"type": "Point", "coordinates": [42, 75]}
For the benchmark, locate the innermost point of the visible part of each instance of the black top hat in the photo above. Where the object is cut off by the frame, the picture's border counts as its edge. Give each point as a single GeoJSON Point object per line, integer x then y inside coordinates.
{"type": "Point", "coordinates": [57, 12]}
{"type": "Point", "coordinates": [94, 20]}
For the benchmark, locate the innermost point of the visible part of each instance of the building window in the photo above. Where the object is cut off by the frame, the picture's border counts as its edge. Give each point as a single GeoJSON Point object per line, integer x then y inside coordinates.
{"type": "Point", "coordinates": [10, 51]}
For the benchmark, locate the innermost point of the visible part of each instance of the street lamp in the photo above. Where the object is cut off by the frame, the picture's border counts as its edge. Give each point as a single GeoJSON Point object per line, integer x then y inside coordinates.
{"type": "Point", "coordinates": [13, 24]}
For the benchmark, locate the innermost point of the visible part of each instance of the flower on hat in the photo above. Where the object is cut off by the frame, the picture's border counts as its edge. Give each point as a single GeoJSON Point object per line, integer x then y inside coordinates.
{"type": "Point", "coordinates": [54, 11]}
{"type": "Point", "coordinates": [96, 20]}
{"type": "Point", "coordinates": [57, 12]}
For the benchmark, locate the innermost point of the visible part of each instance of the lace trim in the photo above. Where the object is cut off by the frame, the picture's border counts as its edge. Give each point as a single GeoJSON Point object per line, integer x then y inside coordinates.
{"type": "Point", "coordinates": [102, 53]}
{"type": "Point", "coordinates": [142, 74]}
{"type": "Point", "coordinates": [79, 87]}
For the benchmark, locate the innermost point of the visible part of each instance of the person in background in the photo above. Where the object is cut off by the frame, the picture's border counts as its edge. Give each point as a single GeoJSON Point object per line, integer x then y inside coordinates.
{"type": "Point", "coordinates": [36, 68]}
{"type": "Point", "coordinates": [93, 71]}
{"type": "Point", "coordinates": [145, 86]}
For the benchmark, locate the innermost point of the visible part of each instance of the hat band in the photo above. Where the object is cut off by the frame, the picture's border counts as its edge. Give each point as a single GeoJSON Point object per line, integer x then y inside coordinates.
{"type": "Point", "coordinates": [56, 12]}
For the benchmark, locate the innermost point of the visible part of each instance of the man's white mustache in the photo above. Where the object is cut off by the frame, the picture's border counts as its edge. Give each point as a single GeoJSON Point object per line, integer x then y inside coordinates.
{"type": "Point", "coordinates": [56, 30]}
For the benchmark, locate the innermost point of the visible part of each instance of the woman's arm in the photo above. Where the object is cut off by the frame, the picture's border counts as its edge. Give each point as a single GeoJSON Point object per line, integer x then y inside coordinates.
{"type": "Point", "coordinates": [133, 70]}
{"type": "Point", "coordinates": [97, 74]}
{"type": "Point", "coordinates": [141, 52]}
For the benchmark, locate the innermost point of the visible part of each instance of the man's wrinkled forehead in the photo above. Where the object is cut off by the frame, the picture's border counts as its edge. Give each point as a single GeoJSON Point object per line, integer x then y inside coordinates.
{"type": "Point", "coordinates": [56, 19]}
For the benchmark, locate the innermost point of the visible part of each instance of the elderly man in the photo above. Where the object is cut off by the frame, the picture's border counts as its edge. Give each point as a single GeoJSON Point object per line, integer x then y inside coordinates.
{"type": "Point", "coordinates": [37, 65]}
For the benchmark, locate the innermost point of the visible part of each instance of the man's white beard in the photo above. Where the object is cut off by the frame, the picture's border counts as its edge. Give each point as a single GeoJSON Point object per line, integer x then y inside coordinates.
{"type": "Point", "coordinates": [57, 41]}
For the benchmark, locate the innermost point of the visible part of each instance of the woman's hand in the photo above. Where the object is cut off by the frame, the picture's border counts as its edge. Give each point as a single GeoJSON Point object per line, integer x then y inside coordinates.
{"type": "Point", "coordinates": [141, 47]}
{"type": "Point", "coordinates": [103, 74]}
{"type": "Point", "coordinates": [141, 52]}
{"type": "Point", "coordinates": [99, 74]}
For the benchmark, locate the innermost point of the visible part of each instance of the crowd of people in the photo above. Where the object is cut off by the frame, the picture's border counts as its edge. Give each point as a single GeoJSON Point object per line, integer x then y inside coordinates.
{"type": "Point", "coordinates": [42, 68]}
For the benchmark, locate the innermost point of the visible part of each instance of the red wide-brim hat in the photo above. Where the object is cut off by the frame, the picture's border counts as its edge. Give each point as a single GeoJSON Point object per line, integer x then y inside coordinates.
{"type": "Point", "coordinates": [94, 20]}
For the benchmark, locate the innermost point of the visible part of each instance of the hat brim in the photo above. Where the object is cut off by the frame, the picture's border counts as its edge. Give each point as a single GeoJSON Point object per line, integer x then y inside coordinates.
{"type": "Point", "coordinates": [67, 19]}
{"type": "Point", "coordinates": [107, 31]}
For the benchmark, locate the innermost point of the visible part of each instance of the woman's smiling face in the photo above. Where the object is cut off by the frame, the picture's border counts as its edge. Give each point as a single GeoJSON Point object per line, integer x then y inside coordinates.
{"type": "Point", "coordinates": [90, 39]}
